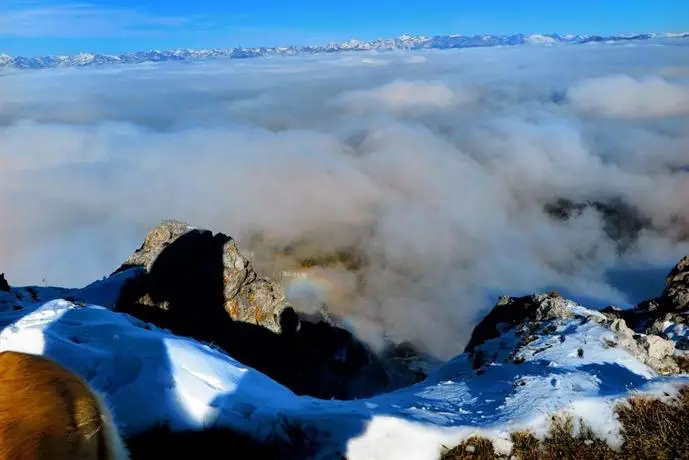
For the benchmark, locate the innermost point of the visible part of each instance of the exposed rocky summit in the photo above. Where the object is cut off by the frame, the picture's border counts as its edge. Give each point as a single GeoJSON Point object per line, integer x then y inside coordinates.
{"type": "Point", "coordinates": [511, 312]}
{"type": "Point", "coordinates": [157, 239]}
{"type": "Point", "coordinates": [188, 265]}
{"type": "Point", "coordinates": [198, 284]}
{"type": "Point", "coordinates": [542, 317]}
{"type": "Point", "coordinates": [665, 315]}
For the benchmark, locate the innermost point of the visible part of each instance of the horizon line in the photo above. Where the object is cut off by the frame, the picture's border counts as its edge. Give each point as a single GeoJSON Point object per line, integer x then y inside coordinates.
{"type": "Point", "coordinates": [663, 34]}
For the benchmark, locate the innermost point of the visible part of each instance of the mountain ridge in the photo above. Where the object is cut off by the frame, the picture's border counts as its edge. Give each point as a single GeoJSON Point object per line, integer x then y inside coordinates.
{"type": "Point", "coordinates": [403, 42]}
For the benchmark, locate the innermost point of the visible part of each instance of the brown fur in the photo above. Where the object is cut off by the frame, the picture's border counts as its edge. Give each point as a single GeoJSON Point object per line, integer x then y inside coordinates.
{"type": "Point", "coordinates": [49, 413]}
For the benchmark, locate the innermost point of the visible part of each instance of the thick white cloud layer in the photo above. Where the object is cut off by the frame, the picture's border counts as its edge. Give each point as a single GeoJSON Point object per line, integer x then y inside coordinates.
{"type": "Point", "coordinates": [436, 165]}
{"type": "Point", "coordinates": [625, 97]}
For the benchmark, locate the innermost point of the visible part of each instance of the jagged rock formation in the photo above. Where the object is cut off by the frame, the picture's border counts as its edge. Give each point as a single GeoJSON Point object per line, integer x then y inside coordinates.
{"type": "Point", "coordinates": [197, 284]}
{"type": "Point", "coordinates": [676, 293]}
{"type": "Point", "coordinates": [193, 265]}
{"type": "Point", "coordinates": [157, 239]}
{"type": "Point", "coordinates": [666, 315]}
{"type": "Point", "coordinates": [4, 285]}
{"type": "Point", "coordinates": [511, 312]}
{"type": "Point", "coordinates": [537, 316]}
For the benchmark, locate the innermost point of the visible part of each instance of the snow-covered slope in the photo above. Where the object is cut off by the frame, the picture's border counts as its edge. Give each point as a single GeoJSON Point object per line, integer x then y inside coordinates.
{"type": "Point", "coordinates": [571, 361]}
{"type": "Point", "coordinates": [404, 42]}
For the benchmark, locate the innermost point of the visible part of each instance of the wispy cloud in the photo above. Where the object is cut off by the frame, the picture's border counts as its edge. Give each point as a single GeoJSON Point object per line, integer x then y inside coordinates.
{"type": "Point", "coordinates": [84, 20]}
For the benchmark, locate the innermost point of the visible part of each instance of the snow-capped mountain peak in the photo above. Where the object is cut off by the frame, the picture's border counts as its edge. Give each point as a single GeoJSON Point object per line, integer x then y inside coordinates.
{"type": "Point", "coordinates": [403, 42]}
{"type": "Point", "coordinates": [540, 39]}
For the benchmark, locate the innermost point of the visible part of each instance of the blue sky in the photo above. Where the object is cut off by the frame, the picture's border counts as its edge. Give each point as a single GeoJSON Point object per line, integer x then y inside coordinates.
{"type": "Point", "coordinates": [36, 27]}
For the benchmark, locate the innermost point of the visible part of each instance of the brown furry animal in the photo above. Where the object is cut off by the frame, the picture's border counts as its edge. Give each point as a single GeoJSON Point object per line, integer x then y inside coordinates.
{"type": "Point", "coordinates": [49, 413]}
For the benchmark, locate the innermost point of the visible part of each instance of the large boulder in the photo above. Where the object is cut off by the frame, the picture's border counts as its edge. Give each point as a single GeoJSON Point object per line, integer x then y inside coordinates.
{"type": "Point", "coordinates": [197, 284]}
{"type": "Point", "coordinates": [652, 350]}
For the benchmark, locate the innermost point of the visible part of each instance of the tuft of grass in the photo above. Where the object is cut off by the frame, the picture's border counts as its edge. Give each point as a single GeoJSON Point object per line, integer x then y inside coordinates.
{"type": "Point", "coordinates": [525, 446]}
{"type": "Point", "coordinates": [561, 444]}
{"type": "Point", "coordinates": [475, 448]}
{"type": "Point", "coordinates": [656, 429]}
{"type": "Point", "coordinates": [651, 429]}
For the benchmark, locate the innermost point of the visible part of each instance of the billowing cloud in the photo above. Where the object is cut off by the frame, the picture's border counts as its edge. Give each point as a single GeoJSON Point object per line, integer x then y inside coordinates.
{"type": "Point", "coordinates": [436, 171]}
{"type": "Point", "coordinates": [407, 97]}
{"type": "Point", "coordinates": [622, 96]}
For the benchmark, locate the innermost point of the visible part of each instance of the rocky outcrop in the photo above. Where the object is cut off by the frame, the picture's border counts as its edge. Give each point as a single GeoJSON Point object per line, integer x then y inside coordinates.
{"type": "Point", "coordinates": [675, 297]}
{"type": "Point", "coordinates": [511, 312]}
{"type": "Point", "coordinates": [652, 350]}
{"type": "Point", "coordinates": [4, 285]}
{"type": "Point", "coordinates": [537, 316]}
{"type": "Point", "coordinates": [157, 239]}
{"type": "Point", "coordinates": [192, 265]}
{"type": "Point", "coordinates": [197, 284]}
{"type": "Point", "coordinates": [672, 306]}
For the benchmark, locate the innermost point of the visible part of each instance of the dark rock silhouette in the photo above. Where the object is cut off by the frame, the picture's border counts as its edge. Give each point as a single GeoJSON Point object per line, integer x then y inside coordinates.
{"type": "Point", "coordinates": [199, 285]}
{"type": "Point", "coordinates": [622, 222]}
{"type": "Point", "coordinates": [4, 285]}
{"type": "Point", "coordinates": [207, 269]}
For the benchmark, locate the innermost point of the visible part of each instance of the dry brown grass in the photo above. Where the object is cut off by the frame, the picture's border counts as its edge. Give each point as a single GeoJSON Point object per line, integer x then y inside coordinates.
{"type": "Point", "coordinates": [652, 429]}
{"type": "Point", "coordinates": [475, 448]}
{"type": "Point", "coordinates": [656, 429]}
{"type": "Point", "coordinates": [683, 363]}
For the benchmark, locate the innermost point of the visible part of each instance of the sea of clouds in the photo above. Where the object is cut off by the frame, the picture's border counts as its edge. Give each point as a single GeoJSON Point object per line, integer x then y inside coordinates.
{"type": "Point", "coordinates": [436, 165]}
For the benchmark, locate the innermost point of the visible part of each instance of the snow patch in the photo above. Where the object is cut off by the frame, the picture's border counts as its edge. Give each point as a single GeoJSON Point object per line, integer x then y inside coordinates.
{"type": "Point", "coordinates": [150, 376]}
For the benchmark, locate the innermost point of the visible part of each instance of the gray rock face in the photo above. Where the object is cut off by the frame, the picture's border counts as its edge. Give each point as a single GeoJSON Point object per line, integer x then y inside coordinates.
{"type": "Point", "coordinates": [676, 294]}
{"type": "Point", "coordinates": [511, 312]}
{"type": "Point", "coordinates": [672, 305]}
{"type": "Point", "coordinates": [197, 284]}
{"type": "Point", "coordinates": [246, 296]}
{"type": "Point", "coordinates": [157, 239]}
{"type": "Point", "coordinates": [551, 307]}
{"type": "Point", "coordinates": [652, 350]}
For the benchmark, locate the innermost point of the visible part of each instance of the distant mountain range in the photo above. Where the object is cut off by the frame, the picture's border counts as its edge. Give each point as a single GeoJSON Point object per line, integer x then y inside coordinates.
{"type": "Point", "coordinates": [404, 42]}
